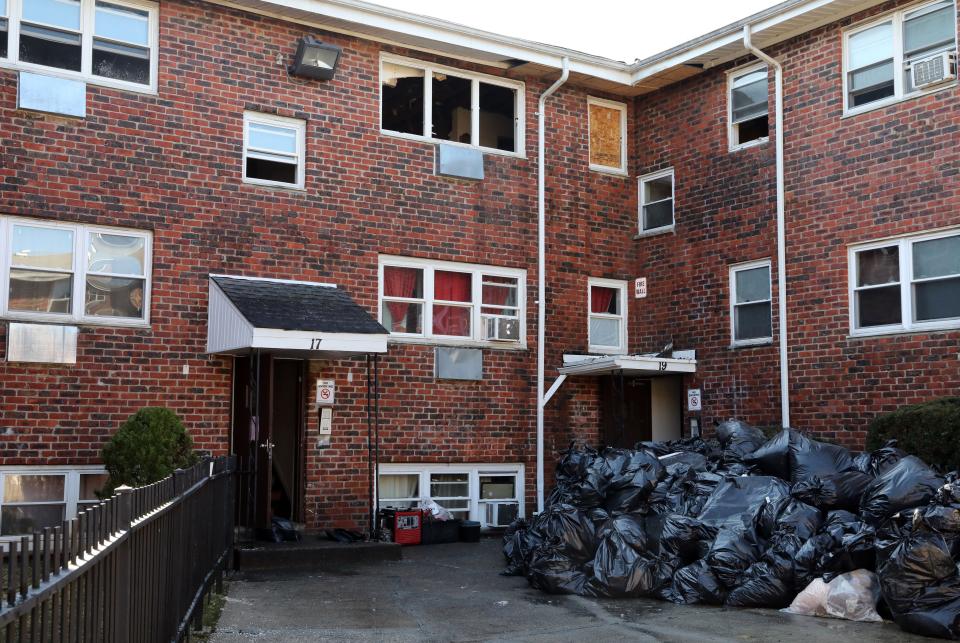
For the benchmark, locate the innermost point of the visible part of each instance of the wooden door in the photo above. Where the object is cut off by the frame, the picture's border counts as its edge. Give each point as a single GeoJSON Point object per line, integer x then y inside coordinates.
{"type": "Point", "coordinates": [625, 410]}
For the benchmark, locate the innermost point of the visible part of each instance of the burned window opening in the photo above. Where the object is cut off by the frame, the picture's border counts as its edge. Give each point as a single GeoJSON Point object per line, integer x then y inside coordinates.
{"type": "Point", "coordinates": [452, 118]}
{"type": "Point", "coordinates": [402, 106]}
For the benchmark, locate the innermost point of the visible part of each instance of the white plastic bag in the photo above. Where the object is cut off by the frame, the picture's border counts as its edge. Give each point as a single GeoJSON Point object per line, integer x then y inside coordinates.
{"type": "Point", "coordinates": [438, 512]}
{"type": "Point", "coordinates": [852, 596]}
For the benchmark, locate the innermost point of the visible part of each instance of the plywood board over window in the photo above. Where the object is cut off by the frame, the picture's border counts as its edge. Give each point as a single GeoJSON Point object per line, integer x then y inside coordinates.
{"type": "Point", "coordinates": [607, 128]}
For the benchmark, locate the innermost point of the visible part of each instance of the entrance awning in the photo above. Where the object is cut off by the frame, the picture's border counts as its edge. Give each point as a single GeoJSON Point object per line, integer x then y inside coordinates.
{"type": "Point", "coordinates": [288, 317]}
{"type": "Point", "coordinates": [628, 364]}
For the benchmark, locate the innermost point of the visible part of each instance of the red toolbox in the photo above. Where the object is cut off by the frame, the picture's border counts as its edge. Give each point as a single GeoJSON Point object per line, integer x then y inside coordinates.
{"type": "Point", "coordinates": [406, 526]}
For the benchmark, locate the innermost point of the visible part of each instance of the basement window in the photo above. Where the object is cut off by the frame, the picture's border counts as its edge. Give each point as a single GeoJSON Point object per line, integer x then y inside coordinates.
{"type": "Point", "coordinates": [455, 106]}
{"type": "Point", "coordinates": [111, 43]}
{"type": "Point", "coordinates": [656, 202]}
{"type": "Point", "coordinates": [33, 499]}
{"type": "Point", "coordinates": [607, 129]}
{"type": "Point", "coordinates": [273, 150]}
{"type": "Point", "coordinates": [750, 304]}
{"type": "Point", "coordinates": [749, 121]}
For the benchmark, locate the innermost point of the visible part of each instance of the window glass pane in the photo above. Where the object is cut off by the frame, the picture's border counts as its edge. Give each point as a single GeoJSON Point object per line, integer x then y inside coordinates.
{"type": "Point", "coordinates": [42, 247]}
{"type": "Point", "coordinates": [402, 108]}
{"type": "Point", "coordinates": [403, 282]}
{"type": "Point", "coordinates": [399, 485]}
{"type": "Point", "coordinates": [497, 117]}
{"type": "Point", "coordinates": [43, 292]}
{"type": "Point", "coordinates": [878, 307]}
{"type": "Point", "coordinates": [122, 23]}
{"type": "Point", "coordinates": [605, 332]}
{"type": "Point", "coordinates": [4, 37]}
{"type": "Point", "coordinates": [937, 299]}
{"type": "Point", "coordinates": [56, 13]}
{"type": "Point", "coordinates": [451, 320]}
{"type": "Point", "coordinates": [33, 487]}
{"type": "Point", "coordinates": [271, 170]}
{"type": "Point", "coordinates": [879, 76]}
{"type": "Point", "coordinates": [871, 45]}
{"type": "Point", "coordinates": [49, 47]}
{"type": "Point", "coordinates": [658, 215]}
{"type": "Point", "coordinates": [29, 518]}
{"type": "Point", "coordinates": [451, 108]}
{"type": "Point", "coordinates": [121, 62]}
{"type": "Point", "coordinates": [3, 7]}
{"type": "Point", "coordinates": [753, 284]}
{"type": "Point", "coordinates": [658, 189]}
{"type": "Point", "coordinates": [750, 99]}
{"type": "Point", "coordinates": [936, 258]}
{"type": "Point", "coordinates": [452, 286]}
{"type": "Point", "coordinates": [274, 138]}
{"type": "Point", "coordinates": [604, 300]}
{"type": "Point", "coordinates": [116, 254]}
{"type": "Point", "coordinates": [449, 485]}
{"type": "Point", "coordinates": [114, 297]}
{"type": "Point", "coordinates": [403, 317]}
{"type": "Point", "coordinates": [90, 484]}
{"type": "Point", "coordinates": [752, 321]}
{"type": "Point", "coordinates": [606, 136]}
{"type": "Point", "coordinates": [498, 487]}
{"type": "Point", "coordinates": [499, 291]}
{"type": "Point", "coordinates": [929, 29]}
{"type": "Point", "coordinates": [879, 266]}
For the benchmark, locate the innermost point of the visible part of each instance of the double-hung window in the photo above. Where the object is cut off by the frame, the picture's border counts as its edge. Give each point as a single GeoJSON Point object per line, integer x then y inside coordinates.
{"type": "Point", "coordinates": [905, 284]}
{"type": "Point", "coordinates": [273, 150]}
{"type": "Point", "coordinates": [607, 316]}
{"type": "Point", "coordinates": [451, 301]}
{"type": "Point", "coordinates": [72, 273]}
{"type": "Point", "coordinates": [656, 202]}
{"type": "Point", "coordinates": [607, 129]}
{"type": "Point", "coordinates": [879, 56]}
{"type": "Point", "coordinates": [751, 319]}
{"type": "Point", "coordinates": [747, 102]}
{"type": "Point", "coordinates": [423, 100]}
{"type": "Point", "coordinates": [110, 43]}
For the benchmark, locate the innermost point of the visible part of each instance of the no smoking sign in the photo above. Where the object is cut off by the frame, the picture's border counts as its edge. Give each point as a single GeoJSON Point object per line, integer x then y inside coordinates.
{"type": "Point", "coordinates": [325, 392]}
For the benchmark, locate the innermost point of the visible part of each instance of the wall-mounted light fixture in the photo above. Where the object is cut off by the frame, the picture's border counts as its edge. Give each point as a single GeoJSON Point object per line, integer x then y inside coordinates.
{"type": "Point", "coordinates": [314, 59]}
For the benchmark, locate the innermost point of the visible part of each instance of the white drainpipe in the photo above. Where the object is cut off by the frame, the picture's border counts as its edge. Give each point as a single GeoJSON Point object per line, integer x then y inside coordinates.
{"type": "Point", "coordinates": [781, 232]}
{"type": "Point", "coordinates": [542, 269]}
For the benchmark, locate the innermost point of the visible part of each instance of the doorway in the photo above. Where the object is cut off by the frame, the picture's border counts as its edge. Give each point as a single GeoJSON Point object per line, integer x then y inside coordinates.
{"type": "Point", "coordinates": [267, 436]}
{"type": "Point", "coordinates": [625, 410]}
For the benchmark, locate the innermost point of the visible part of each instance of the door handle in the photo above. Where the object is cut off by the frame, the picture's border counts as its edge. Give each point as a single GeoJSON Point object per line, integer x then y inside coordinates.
{"type": "Point", "coordinates": [268, 445]}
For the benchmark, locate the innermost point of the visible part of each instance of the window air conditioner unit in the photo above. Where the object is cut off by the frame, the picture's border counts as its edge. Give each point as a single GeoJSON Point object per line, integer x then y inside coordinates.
{"type": "Point", "coordinates": [501, 329]}
{"type": "Point", "coordinates": [934, 70]}
{"type": "Point", "coordinates": [501, 514]}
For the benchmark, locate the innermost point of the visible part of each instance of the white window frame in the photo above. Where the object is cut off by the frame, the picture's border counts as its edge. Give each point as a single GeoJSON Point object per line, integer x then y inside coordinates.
{"type": "Point", "coordinates": [477, 509]}
{"type": "Point", "coordinates": [87, 17]}
{"type": "Point", "coordinates": [429, 69]}
{"type": "Point", "coordinates": [673, 202]}
{"type": "Point", "coordinates": [907, 324]}
{"type": "Point", "coordinates": [621, 286]}
{"type": "Point", "coordinates": [622, 108]}
{"type": "Point", "coordinates": [896, 18]}
{"type": "Point", "coordinates": [81, 237]}
{"type": "Point", "coordinates": [300, 126]}
{"type": "Point", "coordinates": [732, 129]}
{"type": "Point", "coordinates": [71, 487]}
{"type": "Point", "coordinates": [734, 269]}
{"type": "Point", "coordinates": [477, 273]}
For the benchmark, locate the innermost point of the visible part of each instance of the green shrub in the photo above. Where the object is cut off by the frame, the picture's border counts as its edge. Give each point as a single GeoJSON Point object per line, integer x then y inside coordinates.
{"type": "Point", "coordinates": [930, 431]}
{"type": "Point", "coordinates": [146, 448]}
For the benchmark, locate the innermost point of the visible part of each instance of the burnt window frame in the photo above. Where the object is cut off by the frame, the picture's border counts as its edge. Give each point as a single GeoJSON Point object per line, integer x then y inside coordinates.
{"type": "Point", "coordinates": [429, 69]}
{"type": "Point", "coordinates": [87, 37]}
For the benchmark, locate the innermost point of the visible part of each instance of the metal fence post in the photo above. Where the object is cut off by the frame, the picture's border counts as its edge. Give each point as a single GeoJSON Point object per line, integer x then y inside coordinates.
{"type": "Point", "coordinates": [124, 586]}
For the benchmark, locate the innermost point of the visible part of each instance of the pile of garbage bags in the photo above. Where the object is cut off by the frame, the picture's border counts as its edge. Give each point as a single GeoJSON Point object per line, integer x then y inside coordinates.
{"type": "Point", "coordinates": [742, 521]}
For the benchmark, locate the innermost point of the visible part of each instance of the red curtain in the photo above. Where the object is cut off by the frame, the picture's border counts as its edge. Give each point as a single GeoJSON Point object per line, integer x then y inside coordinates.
{"type": "Point", "coordinates": [600, 299]}
{"type": "Point", "coordinates": [496, 294]}
{"type": "Point", "coordinates": [399, 282]}
{"type": "Point", "coordinates": [451, 286]}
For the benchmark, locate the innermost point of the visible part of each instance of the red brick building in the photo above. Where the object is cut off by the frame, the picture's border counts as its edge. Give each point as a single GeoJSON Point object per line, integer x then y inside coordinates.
{"type": "Point", "coordinates": [176, 203]}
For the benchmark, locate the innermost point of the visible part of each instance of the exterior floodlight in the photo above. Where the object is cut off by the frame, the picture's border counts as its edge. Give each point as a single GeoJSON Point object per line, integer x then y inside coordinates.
{"type": "Point", "coordinates": [315, 59]}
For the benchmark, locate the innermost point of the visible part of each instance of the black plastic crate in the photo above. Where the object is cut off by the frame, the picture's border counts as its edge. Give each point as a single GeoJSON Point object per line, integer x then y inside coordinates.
{"type": "Point", "coordinates": [435, 532]}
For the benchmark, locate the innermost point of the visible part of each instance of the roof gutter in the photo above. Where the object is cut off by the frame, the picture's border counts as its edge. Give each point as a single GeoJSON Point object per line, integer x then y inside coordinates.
{"type": "Point", "coordinates": [781, 225]}
{"type": "Point", "coordinates": [542, 266]}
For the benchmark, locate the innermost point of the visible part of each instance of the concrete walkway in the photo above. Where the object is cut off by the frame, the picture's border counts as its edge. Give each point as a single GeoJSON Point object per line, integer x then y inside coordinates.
{"type": "Point", "coordinates": [454, 593]}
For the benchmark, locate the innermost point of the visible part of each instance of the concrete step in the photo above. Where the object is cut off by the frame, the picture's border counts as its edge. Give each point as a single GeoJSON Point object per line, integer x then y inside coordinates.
{"type": "Point", "coordinates": [311, 554]}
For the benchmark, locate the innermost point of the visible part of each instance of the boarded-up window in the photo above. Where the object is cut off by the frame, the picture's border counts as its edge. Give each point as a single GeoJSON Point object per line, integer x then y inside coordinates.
{"type": "Point", "coordinates": [608, 121]}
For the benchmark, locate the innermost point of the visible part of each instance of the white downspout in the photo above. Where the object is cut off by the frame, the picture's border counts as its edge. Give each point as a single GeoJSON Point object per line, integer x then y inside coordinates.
{"type": "Point", "coordinates": [781, 232]}
{"type": "Point", "coordinates": [542, 268]}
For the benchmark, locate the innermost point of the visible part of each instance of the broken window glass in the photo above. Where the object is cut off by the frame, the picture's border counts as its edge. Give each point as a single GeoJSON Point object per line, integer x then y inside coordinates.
{"type": "Point", "coordinates": [50, 33]}
{"type": "Point", "coordinates": [402, 103]}
{"type": "Point", "coordinates": [498, 117]}
{"type": "Point", "coordinates": [748, 96]}
{"type": "Point", "coordinates": [451, 108]}
{"type": "Point", "coordinates": [121, 46]}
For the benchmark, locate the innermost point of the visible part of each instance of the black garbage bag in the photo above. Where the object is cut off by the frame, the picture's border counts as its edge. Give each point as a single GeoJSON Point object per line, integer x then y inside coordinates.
{"type": "Point", "coordinates": [685, 492]}
{"type": "Point", "coordinates": [798, 519]}
{"type": "Point", "coordinates": [739, 501]}
{"type": "Point", "coordinates": [709, 448]}
{"type": "Point", "coordinates": [809, 458]}
{"type": "Point", "coordinates": [568, 530]}
{"type": "Point", "coordinates": [909, 483]}
{"type": "Point", "coordinates": [553, 572]}
{"type": "Point", "coordinates": [738, 439]}
{"type": "Point", "coordinates": [687, 538]}
{"type": "Point", "coordinates": [632, 477]}
{"type": "Point", "coordinates": [733, 551]}
{"type": "Point", "coordinates": [876, 463]}
{"type": "Point", "coordinates": [943, 513]}
{"type": "Point", "coordinates": [830, 492]}
{"type": "Point", "coordinates": [518, 545]}
{"type": "Point", "coordinates": [768, 582]}
{"type": "Point", "coordinates": [920, 583]}
{"type": "Point", "coordinates": [773, 458]}
{"type": "Point", "coordinates": [691, 459]}
{"type": "Point", "coordinates": [623, 567]}
{"type": "Point", "coordinates": [573, 463]}
{"type": "Point", "coordinates": [844, 543]}
{"type": "Point", "coordinates": [696, 583]}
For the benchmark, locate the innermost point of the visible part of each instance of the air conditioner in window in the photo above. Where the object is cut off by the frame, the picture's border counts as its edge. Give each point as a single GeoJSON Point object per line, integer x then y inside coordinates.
{"type": "Point", "coordinates": [934, 70]}
{"type": "Point", "coordinates": [501, 514]}
{"type": "Point", "coordinates": [501, 329]}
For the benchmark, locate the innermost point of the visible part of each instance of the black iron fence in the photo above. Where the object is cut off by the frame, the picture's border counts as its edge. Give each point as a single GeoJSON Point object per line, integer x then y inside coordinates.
{"type": "Point", "coordinates": [136, 567]}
